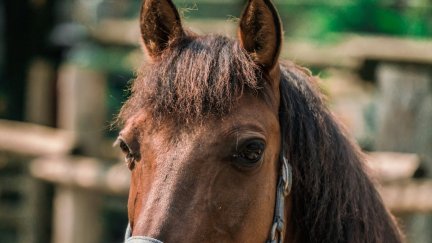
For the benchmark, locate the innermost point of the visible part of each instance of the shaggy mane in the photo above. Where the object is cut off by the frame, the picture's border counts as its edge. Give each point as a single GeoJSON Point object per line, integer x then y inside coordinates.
{"type": "Point", "coordinates": [198, 76]}
{"type": "Point", "coordinates": [334, 201]}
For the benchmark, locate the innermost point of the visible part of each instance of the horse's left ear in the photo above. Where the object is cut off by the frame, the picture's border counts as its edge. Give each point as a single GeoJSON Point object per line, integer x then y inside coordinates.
{"type": "Point", "coordinates": [160, 25]}
{"type": "Point", "coordinates": [260, 32]}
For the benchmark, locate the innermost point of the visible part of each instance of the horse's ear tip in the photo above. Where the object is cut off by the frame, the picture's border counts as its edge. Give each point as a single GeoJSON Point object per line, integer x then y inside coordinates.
{"type": "Point", "coordinates": [160, 24]}
{"type": "Point", "coordinates": [260, 32]}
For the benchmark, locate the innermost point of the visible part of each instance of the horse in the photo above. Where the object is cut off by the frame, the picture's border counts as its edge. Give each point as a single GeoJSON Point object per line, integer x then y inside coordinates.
{"type": "Point", "coordinates": [226, 143]}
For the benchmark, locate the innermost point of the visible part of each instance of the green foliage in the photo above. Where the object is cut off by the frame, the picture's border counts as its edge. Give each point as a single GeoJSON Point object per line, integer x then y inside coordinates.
{"type": "Point", "coordinates": [320, 19]}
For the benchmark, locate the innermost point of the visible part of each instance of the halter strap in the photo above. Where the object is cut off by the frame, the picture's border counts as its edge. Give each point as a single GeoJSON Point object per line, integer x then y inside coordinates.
{"type": "Point", "coordinates": [283, 190]}
{"type": "Point", "coordinates": [138, 239]}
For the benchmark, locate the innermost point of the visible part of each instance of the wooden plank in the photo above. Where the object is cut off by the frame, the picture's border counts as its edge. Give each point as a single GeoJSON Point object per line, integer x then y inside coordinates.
{"type": "Point", "coordinates": [387, 48]}
{"type": "Point", "coordinates": [117, 31]}
{"type": "Point", "coordinates": [319, 55]}
{"type": "Point", "coordinates": [83, 172]}
{"type": "Point", "coordinates": [413, 196]}
{"type": "Point", "coordinates": [392, 166]}
{"type": "Point", "coordinates": [34, 140]}
{"type": "Point", "coordinates": [126, 32]}
{"type": "Point", "coordinates": [349, 51]}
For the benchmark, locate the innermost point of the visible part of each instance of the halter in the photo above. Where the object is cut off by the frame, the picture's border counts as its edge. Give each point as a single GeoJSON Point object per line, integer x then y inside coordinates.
{"type": "Point", "coordinates": [276, 235]}
{"type": "Point", "coordinates": [283, 190]}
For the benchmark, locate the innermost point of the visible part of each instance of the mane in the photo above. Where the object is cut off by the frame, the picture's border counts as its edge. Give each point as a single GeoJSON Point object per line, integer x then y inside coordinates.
{"type": "Point", "coordinates": [333, 198]}
{"type": "Point", "coordinates": [197, 77]}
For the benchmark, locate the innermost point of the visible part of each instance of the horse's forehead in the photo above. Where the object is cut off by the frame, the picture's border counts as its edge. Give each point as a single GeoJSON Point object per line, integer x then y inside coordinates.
{"type": "Point", "coordinates": [249, 110]}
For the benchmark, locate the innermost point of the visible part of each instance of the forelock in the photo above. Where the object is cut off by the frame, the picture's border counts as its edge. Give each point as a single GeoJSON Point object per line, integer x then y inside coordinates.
{"type": "Point", "coordinates": [195, 78]}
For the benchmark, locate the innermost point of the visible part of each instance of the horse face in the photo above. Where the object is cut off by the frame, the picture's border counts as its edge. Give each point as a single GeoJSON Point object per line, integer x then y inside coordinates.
{"type": "Point", "coordinates": [214, 181]}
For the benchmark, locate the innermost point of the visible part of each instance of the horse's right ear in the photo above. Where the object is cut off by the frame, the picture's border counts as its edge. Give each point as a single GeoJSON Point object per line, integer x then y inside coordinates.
{"type": "Point", "coordinates": [260, 32]}
{"type": "Point", "coordinates": [160, 25]}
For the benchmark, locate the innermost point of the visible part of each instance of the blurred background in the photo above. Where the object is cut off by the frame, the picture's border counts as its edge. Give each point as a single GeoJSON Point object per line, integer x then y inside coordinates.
{"type": "Point", "coordinates": [65, 66]}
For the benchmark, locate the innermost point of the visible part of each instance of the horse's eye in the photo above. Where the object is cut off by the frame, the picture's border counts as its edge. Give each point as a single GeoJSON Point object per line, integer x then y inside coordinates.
{"type": "Point", "coordinates": [250, 153]}
{"type": "Point", "coordinates": [129, 155]}
{"type": "Point", "coordinates": [124, 147]}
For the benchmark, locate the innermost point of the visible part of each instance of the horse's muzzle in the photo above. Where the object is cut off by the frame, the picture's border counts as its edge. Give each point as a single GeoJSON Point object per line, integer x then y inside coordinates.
{"type": "Point", "coordinates": [138, 239]}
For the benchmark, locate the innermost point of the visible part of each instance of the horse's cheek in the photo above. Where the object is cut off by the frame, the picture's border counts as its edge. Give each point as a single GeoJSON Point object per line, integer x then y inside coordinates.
{"type": "Point", "coordinates": [230, 204]}
{"type": "Point", "coordinates": [133, 195]}
{"type": "Point", "coordinates": [137, 192]}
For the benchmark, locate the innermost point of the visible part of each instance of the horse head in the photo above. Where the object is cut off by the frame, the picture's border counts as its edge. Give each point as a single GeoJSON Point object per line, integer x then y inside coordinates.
{"type": "Point", "coordinates": [208, 131]}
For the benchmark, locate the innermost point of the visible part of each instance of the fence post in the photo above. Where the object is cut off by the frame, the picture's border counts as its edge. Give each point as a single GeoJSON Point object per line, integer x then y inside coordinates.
{"type": "Point", "coordinates": [81, 110]}
{"type": "Point", "coordinates": [404, 124]}
{"type": "Point", "coordinates": [40, 109]}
